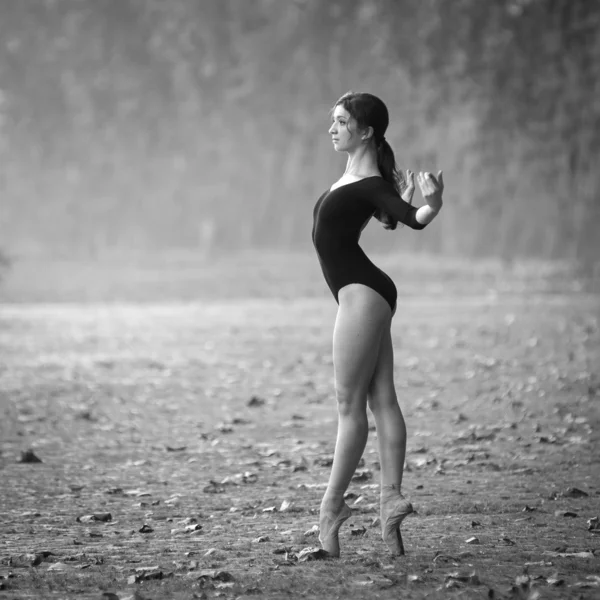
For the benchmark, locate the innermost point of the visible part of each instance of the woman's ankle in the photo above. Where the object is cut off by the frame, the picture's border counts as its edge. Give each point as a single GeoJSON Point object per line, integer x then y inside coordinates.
{"type": "Point", "coordinates": [391, 489]}
{"type": "Point", "coordinates": [333, 499]}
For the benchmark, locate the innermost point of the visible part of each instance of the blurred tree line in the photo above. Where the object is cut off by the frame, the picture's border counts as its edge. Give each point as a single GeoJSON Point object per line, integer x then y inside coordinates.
{"type": "Point", "coordinates": [141, 125]}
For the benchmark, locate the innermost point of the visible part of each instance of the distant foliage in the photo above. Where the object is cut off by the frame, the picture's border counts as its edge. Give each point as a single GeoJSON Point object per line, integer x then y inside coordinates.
{"type": "Point", "coordinates": [144, 124]}
{"type": "Point", "coordinates": [5, 264]}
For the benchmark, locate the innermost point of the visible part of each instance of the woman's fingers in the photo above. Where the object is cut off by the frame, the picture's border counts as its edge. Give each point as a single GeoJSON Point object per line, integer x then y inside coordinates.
{"type": "Point", "coordinates": [425, 183]}
{"type": "Point", "coordinates": [429, 184]}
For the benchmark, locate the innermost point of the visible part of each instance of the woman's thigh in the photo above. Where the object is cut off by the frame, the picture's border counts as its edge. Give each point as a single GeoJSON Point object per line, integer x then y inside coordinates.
{"type": "Point", "coordinates": [363, 317]}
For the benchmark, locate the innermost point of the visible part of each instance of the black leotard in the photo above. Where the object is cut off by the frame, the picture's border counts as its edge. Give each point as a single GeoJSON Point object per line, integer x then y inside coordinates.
{"type": "Point", "coordinates": [339, 217]}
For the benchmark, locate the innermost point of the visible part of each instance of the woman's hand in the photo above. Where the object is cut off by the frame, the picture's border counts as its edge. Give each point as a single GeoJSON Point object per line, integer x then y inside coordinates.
{"type": "Point", "coordinates": [432, 189]}
{"type": "Point", "coordinates": [407, 186]}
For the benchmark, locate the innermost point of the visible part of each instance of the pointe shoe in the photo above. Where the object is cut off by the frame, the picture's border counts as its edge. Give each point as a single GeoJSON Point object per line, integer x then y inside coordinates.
{"type": "Point", "coordinates": [329, 537]}
{"type": "Point", "coordinates": [393, 511]}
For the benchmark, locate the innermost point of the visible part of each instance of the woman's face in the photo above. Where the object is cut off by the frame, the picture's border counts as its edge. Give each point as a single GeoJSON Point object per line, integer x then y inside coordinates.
{"type": "Point", "coordinates": [344, 130]}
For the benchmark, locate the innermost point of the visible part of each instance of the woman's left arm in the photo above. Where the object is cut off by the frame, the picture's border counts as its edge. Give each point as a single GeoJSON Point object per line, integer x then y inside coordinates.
{"type": "Point", "coordinates": [432, 190]}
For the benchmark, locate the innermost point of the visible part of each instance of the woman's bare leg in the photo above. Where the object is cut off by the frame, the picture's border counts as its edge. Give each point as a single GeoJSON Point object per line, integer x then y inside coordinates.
{"type": "Point", "coordinates": [391, 428]}
{"type": "Point", "coordinates": [361, 319]}
{"type": "Point", "coordinates": [391, 438]}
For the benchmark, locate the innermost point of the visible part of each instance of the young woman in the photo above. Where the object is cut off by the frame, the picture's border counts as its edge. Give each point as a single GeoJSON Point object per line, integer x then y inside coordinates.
{"type": "Point", "coordinates": [362, 343]}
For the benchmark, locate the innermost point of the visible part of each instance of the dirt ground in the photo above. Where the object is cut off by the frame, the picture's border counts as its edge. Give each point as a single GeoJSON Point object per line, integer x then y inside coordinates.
{"type": "Point", "coordinates": [198, 429]}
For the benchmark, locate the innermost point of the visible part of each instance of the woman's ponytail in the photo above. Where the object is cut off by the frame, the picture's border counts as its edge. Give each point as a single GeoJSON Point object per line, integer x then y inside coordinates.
{"type": "Point", "coordinates": [386, 162]}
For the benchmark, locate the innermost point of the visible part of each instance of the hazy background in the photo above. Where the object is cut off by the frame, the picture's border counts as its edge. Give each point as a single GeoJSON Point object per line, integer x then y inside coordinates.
{"type": "Point", "coordinates": [139, 128]}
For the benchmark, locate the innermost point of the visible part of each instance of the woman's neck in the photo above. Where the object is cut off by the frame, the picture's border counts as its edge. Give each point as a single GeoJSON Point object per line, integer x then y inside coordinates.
{"type": "Point", "coordinates": [362, 162]}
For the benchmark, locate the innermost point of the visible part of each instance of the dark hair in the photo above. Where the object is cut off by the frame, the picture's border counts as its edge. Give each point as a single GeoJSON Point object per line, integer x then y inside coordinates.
{"type": "Point", "coordinates": [370, 111]}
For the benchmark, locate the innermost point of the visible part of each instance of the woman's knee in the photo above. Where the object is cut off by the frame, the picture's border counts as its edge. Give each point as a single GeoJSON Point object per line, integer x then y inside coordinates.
{"type": "Point", "coordinates": [382, 397]}
{"type": "Point", "coordinates": [351, 400]}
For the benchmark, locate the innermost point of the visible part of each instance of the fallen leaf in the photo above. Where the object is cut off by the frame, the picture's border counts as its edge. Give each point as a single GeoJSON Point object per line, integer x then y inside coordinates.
{"type": "Point", "coordinates": [99, 517]}
{"type": "Point", "coordinates": [224, 585]}
{"type": "Point", "coordinates": [571, 554]}
{"type": "Point", "coordinates": [445, 558]}
{"type": "Point", "coordinates": [255, 401]}
{"type": "Point", "coordinates": [29, 456]}
{"type": "Point", "coordinates": [567, 513]}
{"type": "Point", "coordinates": [215, 575]}
{"type": "Point", "coordinates": [145, 576]}
{"type": "Point", "coordinates": [213, 488]}
{"type": "Point", "coordinates": [137, 493]}
{"type": "Point", "coordinates": [464, 577]}
{"type": "Point", "coordinates": [362, 475]}
{"type": "Point", "coordinates": [224, 428]}
{"type": "Point", "coordinates": [312, 553]}
{"type": "Point", "coordinates": [573, 492]}
{"type": "Point", "coordinates": [380, 580]}
{"type": "Point", "coordinates": [249, 477]}
{"type": "Point", "coordinates": [59, 566]}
